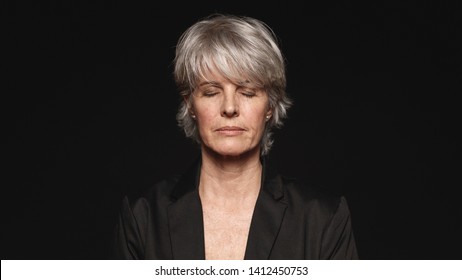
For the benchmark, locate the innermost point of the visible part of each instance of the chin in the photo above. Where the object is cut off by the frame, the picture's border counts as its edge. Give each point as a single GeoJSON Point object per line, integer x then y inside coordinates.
{"type": "Point", "coordinates": [231, 147]}
{"type": "Point", "coordinates": [235, 151]}
{"type": "Point", "coordinates": [231, 153]}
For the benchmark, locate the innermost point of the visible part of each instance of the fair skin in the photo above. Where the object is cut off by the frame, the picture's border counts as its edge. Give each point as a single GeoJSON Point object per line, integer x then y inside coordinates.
{"type": "Point", "coordinates": [231, 120]}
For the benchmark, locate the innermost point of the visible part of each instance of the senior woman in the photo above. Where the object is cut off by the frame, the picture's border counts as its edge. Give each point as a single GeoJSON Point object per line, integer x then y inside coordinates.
{"type": "Point", "coordinates": [232, 204]}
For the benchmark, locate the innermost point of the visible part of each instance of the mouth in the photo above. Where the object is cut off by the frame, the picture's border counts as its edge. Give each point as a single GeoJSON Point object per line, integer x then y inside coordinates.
{"type": "Point", "coordinates": [230, 130]}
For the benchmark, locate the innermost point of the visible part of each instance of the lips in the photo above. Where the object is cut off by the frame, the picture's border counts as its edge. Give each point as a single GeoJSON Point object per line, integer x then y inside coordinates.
{"type": "Point", "coordinates": [230, 130]}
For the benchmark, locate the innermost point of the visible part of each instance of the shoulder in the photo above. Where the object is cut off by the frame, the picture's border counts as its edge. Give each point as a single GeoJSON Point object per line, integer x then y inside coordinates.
{"type": "Point", "coordinates": [311, 196]}
{"type": "Point", "coordinates": [154, 196]}
{"type": "Point", "coordinates": [301, 195]}
{"type": "Point", "coordinates": [161, 194]}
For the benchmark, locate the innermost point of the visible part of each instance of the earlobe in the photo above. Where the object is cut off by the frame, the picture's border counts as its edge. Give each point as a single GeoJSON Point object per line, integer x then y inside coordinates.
{"type": "Point", "coordinates": [269, 114]}
{"type": "Point", "coordinates": [188, 104]}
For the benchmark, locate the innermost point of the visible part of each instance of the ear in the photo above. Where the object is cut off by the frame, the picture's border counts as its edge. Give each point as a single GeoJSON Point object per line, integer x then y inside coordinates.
{"type": "Point", "coordinates": [269, 114]}
{"type": "Point", "coordinates": [190, 109]}
{"type": "Point", "coordinates": [186, 98]}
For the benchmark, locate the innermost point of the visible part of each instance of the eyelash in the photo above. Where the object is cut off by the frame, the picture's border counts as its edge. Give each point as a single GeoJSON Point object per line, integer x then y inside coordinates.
{"type": "Point", "coordinates": [246, 94]}
{"type": "Point", "coordinates": [210, 94]}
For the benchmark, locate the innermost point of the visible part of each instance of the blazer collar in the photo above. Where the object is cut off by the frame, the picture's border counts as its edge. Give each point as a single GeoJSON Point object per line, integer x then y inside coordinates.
{"type": "Point", "coordinates": [186, 226]}
{"type": "Point", "coordinates": [268, 214]}
{"type": "Point", "coordinates": [185, 215]}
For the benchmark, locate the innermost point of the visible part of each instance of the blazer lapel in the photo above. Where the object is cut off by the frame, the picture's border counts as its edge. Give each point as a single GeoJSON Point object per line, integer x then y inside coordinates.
{"type": "Point", "coordinates": [185, 218]}
{"type": "Point", "coordinates": [267, 217]}
{"type": "Point", "coordinates": [186, 224]}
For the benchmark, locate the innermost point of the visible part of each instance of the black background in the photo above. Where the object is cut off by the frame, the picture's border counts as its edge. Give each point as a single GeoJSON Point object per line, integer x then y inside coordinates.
{"type": "Point", "coordinates": [90, 115]}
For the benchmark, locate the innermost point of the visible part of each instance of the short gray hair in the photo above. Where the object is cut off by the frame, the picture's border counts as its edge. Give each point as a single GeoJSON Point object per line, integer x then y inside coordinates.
{"type": "Point", "coordinates": [236, 46]}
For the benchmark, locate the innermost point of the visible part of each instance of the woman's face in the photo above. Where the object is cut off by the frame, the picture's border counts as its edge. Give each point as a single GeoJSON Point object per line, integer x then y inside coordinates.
{"type": "Point", "coordinates": [230, 117]}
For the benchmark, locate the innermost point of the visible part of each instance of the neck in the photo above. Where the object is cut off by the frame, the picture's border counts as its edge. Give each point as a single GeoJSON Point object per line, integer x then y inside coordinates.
{"type": "Point", "coordinates": [229, 177]}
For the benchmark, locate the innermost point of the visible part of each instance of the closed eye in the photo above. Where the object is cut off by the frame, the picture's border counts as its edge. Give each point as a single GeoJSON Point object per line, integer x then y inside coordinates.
{"type": "Point", "coordinates": [248, 94]}
{"type": "Point", "coordinates": [209, 94]}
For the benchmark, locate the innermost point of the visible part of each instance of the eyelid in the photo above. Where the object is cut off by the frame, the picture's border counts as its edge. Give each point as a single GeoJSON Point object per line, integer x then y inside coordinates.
{"type": "Point", "coordinates": [247, 94]}
{"type": "Point", "coordinates": [208, 89]}
{"type": "Point", "coordinates": [209, 93]}
{"type": "Point", "coordinates": [248, 91]}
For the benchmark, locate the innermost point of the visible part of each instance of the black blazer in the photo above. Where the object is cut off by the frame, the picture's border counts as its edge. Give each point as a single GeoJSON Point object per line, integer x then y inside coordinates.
{"type": "Point", "coordinates": [290, 221]}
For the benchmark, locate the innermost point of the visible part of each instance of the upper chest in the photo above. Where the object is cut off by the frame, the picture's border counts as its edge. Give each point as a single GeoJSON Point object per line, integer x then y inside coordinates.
{"type": "Point", "coordinates": [226, 231]}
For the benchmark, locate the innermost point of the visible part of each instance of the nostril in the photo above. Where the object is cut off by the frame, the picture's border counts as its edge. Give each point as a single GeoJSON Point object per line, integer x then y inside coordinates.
{"type": "Point", "coordinates": [230, 113]}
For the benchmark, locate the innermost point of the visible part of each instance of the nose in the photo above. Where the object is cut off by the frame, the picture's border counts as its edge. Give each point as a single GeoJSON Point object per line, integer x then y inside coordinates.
{"type": "Point", "coordinates": [230, 108]}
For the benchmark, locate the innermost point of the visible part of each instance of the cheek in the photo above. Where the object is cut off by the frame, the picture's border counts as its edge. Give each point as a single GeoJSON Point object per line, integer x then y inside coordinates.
{"type": "Point", "coordinates": [205, 118]}
{"type": "Point", "coordinates": [257, 118]}
{"type": "Point", "coordinates": [204, 114]}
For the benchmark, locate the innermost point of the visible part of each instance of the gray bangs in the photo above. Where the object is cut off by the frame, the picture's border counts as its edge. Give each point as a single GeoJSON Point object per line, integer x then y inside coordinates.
{"type": "Point", "coordinates": [231, 60]}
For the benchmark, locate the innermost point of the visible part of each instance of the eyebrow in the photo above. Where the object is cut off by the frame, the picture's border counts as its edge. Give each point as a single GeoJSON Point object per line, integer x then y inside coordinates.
{"type": "Point", "coordinates": [215, 83]}
{"type": "Point", "coordinates": [244, 83]}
